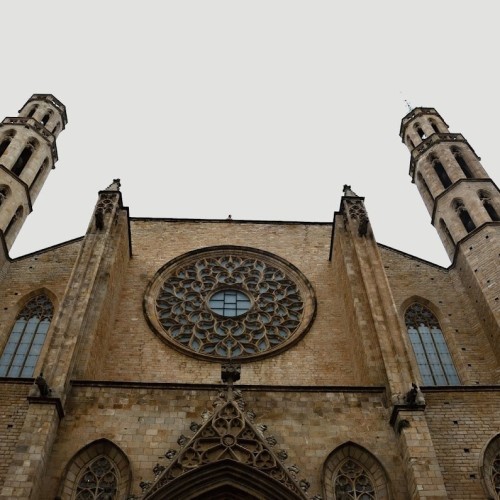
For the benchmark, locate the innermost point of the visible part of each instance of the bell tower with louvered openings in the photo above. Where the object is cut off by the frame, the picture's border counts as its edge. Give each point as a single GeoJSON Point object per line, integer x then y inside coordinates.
{"type": "Point", "coordinates": [464, 204]}
{"type": "Point", "coordinates": [27, 154]}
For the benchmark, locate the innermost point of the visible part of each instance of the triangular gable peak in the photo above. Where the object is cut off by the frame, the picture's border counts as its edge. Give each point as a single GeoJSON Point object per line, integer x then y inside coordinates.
{"type": "Point", "coordinates": [228, 434]}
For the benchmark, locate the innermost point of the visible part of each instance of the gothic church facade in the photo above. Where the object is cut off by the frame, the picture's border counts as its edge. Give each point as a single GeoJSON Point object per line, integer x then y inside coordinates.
{"type": "Point", "coordinates": [225, 359]}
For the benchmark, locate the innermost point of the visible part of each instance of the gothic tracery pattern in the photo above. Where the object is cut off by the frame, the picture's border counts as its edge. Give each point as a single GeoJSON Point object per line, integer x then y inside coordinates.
{"type": "Point", "coordinates": [272, 311]}
{"type": "Point", "coordinates": [431, 351]}
{"type": "Point", "coordinates": [98, 481]}
{"type": "Point", "coordinates": [353, 482]}
{"type": "Point", "coordinates": [27, 337]}
{"type": "Point", "coordinates": [227, 435]}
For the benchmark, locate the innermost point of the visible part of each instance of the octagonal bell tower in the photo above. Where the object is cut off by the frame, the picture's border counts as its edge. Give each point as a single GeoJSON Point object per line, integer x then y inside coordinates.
{"type": "Point", "coordinates": [464, 204]}
{"type": "Point", "coordinates": [27, 154]}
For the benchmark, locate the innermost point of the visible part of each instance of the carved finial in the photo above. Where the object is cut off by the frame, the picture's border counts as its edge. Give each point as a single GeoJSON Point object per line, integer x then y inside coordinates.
{"type": "Point", "coordinates": [409, 106]}
{"type": "Point", "coordinates": [229, 217]}
{"type": "Point", "coordinates": [114, 186]}
{"type": "Point", "coordinates": [348, 191]}
{"type": "Point", "coordinates": [230, 372]}
{"type": "Point", "coordinates": [414, 396]}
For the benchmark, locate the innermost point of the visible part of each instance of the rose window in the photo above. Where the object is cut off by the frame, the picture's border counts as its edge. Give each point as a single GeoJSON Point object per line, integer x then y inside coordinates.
{"type": "Point", "coordinates": [230, 302]}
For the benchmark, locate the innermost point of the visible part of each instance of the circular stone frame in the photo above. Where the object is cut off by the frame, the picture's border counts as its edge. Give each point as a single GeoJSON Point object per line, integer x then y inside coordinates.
{"type": "Point", "coordinates": [176, 304]}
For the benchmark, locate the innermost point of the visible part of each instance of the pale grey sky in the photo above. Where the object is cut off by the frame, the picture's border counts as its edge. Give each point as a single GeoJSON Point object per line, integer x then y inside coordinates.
{"type": "Point", "coordinates": [259, 109]}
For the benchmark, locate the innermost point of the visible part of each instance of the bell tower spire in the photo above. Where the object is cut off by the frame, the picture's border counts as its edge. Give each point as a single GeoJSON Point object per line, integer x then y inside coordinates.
{"type": "Point", "coordinates": [27, 154]}
{"type": "Point", "coordinates": [464, 204]}
{"type": "Point", "coordinates": [457, 191]}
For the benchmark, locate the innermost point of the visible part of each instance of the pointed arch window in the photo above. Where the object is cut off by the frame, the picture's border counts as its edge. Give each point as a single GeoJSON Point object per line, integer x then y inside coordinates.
{"type": "Point", "coordinates": [441, 172]}
{"type": "Point", "coordinates": [485, 198]}
{"type": "Point", "coordinates": [353, 481]}
{"type": "Point", "coordinates": [462, 163]}
{"type": "Point", "coordinates": [427, 191]}
{"type": "Point", "coordinates": [446, 231]}
{"type": "Point", "coordinates": [27, 337]}
{"type": "Point", "coordinates": [4, 143]}
{"type": "Point", "coordinates": [46, 119]}
{"type": "Point", "coordinates": [24, 157]}
{"type": "Point", "coordinates": [419, 130]}
{"type": "Point", "coordinates": [429, 345]}
{"type": "Point", "coordinates": [352, 473]}
{"type": "Point", "coordinates": [464, 215]}
{"type": "Point", "coordinates": [17, 216]}
{"type": "Point", "coordinates": [32, 111]}
{"type": "Point", "coordinates": [100, 470]}
{"type": "Point", "coordinates": [434, 126]}
{"type": "Point", "coordinates": [99, 480]}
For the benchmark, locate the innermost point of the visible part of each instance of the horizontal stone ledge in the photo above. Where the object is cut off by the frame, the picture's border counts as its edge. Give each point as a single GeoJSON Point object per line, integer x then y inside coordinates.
{"type": "Point", "coordinates": [218, 387]}
{"type": "Point", "coordinates": [41, 400]}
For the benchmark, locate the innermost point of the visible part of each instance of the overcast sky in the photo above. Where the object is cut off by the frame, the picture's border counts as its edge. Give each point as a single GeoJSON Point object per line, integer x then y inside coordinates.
{"type": "Point", "coordinates": [258, 109]}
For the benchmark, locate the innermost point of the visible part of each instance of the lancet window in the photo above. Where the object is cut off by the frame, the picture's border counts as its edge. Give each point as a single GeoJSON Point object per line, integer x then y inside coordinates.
{"type": "Point", "coordinates": [429, 345]}
{"type": "Point", "coordinates": [419, 130]}
{"type": "Point", "coordinates": [462, 163]}
{"type": "Point", "coordinates": [27, 337]}
{"type": "Point", "coordinates": [24, 157]}
{"type": "Point", "coordinates": [441, 172]}
{"type": "Point", "coordinates": [98, 480]}
{"type": "Point", "coordinates": [484, 196]}
{"type": "Point", "coordinates": [434, 126]}
{"type": "Point", "coordinates": [17, 216]}
{"type": "Point", "coordinates": [4, 143]}
{"type": "Point", "coordinates": [464, 215]}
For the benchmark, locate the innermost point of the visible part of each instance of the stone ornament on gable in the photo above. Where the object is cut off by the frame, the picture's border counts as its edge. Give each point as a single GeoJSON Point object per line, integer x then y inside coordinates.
{"type": "Point", "coordinates": [228, 302]}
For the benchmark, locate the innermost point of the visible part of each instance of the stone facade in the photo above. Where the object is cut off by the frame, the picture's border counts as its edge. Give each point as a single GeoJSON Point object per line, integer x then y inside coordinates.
{"type": "Point", "coordinates": [324, 404]}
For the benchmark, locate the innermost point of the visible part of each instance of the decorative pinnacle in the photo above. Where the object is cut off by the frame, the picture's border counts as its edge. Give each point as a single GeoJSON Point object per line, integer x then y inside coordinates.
{"type": "Point", "coordinates": [114, 186]}
{"type": "Point", "coordinates": [348, 191]}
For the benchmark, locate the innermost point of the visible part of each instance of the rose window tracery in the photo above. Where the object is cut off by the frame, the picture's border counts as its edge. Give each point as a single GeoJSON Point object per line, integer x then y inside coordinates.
{"type": "Point", "coordinates": [230, 302]}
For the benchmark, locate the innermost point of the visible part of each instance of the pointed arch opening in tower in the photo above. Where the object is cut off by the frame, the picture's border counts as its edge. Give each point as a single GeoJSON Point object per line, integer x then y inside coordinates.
{"type": "Point", "coordinates": [17, 216]}
{"type": "Point", "coordinates": [419, 131]}
{"type": "Point", "coordinates": [440, 171]}
{"type": "Point", "coordinates": [4, 143]}
{"type": "Point", "coordinates": [32, 111]}
{"type": "Point", "coordinates": [41, 170]}
{"type": "Point", "coordinates": [429, 345]}
{"type": "Point", "coordinates": [446, 231]}
{"type": "Point", "coordinates": [46, 118]}
{"type": "Point", "coordinates": [464, 215]}
{"type": "Point", "coordinates": [462, 163]}
{"type": "Point", "coordinates": [485, 198]}
{"type": "Point", "coordinates": [434, 126]}
{"type": "Point", "coordinates": [24, 157]}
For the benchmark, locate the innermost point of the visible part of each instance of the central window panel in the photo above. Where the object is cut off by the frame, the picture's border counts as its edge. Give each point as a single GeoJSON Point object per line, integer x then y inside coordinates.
{"type": "Point", "coordinates": [230, 303]}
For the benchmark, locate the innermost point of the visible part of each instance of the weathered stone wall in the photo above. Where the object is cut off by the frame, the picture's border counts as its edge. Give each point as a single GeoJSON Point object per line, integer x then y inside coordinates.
{"type": "Point", "coordinates": [462, 423]}
{"type": "Point", "coordinates": [13, 408]}
{"type": "Point", "coordinates": [145, 422]}
{"type": "Point", "coordinates": [324, 356]}
{"type": "Point", "coordinates": [442, 291]}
